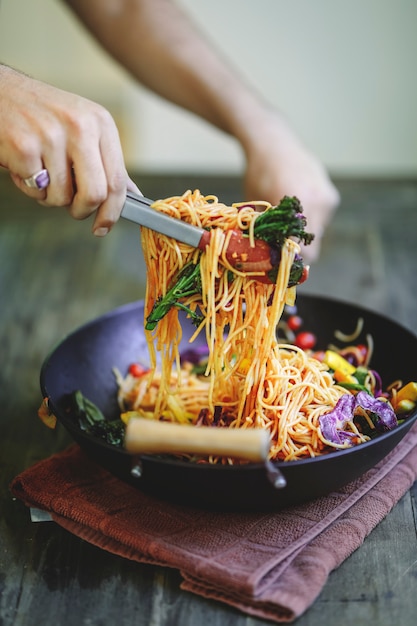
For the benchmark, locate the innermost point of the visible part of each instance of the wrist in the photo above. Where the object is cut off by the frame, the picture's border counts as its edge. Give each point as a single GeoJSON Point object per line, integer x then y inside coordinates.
{"type": "Point", "coordinates": [258, 126]}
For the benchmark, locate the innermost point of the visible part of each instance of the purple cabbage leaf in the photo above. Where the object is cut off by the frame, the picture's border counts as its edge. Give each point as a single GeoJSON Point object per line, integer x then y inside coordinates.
{"type": "Point", "coordinates": [333, 423]}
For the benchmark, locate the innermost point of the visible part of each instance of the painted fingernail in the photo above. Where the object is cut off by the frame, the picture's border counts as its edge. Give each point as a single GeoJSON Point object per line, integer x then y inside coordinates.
{"type": "Point", "coordinates": [101, 231]}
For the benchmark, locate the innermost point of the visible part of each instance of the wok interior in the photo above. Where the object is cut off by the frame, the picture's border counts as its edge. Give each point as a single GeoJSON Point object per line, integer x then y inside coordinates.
{"type": "Point", "coordinates": [85, 361]}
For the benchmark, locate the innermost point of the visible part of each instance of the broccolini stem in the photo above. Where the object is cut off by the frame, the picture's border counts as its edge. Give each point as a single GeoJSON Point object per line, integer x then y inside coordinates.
{"type": "Point", "coordinates": [187, 283]}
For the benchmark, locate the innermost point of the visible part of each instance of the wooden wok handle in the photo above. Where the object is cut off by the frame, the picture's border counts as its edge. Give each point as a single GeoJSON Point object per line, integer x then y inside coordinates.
{"type": "Point", "coordinates": [145, 436]}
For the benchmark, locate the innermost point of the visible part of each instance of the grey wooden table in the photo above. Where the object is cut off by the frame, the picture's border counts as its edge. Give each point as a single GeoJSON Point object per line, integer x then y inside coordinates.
{"type": "Point", "coordinates": [54, 276]}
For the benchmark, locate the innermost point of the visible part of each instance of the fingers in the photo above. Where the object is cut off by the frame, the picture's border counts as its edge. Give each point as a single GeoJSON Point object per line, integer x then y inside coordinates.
{"type": "Point", "coordinates": [118, 181]}
{"type": "Point", "coordinates": [100, 174]}
{"type": "Point", "coordinates": [86, 173]}
{"type": "Point", "coordinates": [132, 186]}
{"type": "Point", "coordinates": [32, 192]}
{"type": "Point", "coordinates": [319, 202]}
{"type": "Point", "coordinates": [74, 139]}
{"type": "Point", "coordinates": [34, 139]}
{"type": "Point", "coordinates": [29, 168]}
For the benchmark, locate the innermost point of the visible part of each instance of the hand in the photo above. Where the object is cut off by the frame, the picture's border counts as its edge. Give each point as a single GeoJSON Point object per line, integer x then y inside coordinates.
{"type": "Point", "coordinates": [75, 139]}
{"type": "Point", "coordinates": [278, 165]}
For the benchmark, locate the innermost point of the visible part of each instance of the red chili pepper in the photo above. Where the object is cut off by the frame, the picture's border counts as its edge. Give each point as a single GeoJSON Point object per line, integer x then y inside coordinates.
{"type": "Point", "coordinates": [305, 340]}
{"type": "Point", "coordinates": [137, 370]}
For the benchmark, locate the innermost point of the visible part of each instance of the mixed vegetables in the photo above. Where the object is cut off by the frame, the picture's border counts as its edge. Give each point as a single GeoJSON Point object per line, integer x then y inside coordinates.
{"type": "Point", "coordinates": [373, 408]}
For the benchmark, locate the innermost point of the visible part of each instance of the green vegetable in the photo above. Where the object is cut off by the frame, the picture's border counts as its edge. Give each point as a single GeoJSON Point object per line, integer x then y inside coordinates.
{"type": "Point", "coordinates": [93, 422]}
{"type": "Point", "coordinates": [296, 272]}
{"type": "Point", "coordinates": [277, 224]}
{"type": "Point", "coordinates": [187, 283]}
{"type": "Point", "coordinates": [354, 387]}
{"type": "Point", "coordinates": [360, 374]}
{"type": "Point", "coordinates": [86, 410]}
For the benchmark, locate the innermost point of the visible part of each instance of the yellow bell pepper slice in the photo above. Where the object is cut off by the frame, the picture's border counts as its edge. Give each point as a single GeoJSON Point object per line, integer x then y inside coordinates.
{"type": "Point", "coordinates": [338, 363]}
{"type": "Point", "coordinates": [408, 392]}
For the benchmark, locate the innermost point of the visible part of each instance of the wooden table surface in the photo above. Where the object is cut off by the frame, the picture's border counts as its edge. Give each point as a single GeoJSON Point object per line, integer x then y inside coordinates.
{"type": "Point", "coordinates": [54, 276]}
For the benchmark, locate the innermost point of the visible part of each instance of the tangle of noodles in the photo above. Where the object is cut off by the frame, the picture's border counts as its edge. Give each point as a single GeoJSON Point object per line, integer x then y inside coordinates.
{"type": "Point", "coordinates": [250, 380]}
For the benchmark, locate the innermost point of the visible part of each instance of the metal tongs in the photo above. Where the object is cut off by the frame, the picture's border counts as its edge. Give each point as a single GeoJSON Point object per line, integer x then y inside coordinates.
{"type": "Point", "coordinates": [138, 209]}
{"type": "Point", "coordinates": [241, 253]}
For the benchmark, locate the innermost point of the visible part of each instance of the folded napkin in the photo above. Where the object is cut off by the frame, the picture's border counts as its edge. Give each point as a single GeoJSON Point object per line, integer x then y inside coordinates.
{"type": "Point", "coordinates": [272, 565]}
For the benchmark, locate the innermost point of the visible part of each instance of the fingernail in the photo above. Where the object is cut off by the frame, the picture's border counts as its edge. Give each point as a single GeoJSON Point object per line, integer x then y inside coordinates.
{"type": "Point", "coordinates": [101, 231]}
{"type": "Point", "coordinates": [132, 186]}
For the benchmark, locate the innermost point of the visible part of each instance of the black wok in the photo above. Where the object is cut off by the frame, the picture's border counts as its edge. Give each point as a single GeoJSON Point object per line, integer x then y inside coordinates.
{"type": "Point", "coordinates": [85, 359]}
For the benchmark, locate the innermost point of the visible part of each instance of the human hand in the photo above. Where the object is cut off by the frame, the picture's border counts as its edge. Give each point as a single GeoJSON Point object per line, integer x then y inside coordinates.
{"type": "Point", "coordinates": [74, 139]}
{"type": "Point", "coordinates": [278, 165]}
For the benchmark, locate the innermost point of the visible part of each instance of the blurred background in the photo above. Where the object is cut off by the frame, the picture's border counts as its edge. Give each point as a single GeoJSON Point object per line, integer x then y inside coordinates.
{"type": "Point", "coordinates": [344, 74]}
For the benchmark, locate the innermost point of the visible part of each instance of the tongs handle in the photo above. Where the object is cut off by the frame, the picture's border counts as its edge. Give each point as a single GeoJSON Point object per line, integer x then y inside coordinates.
{"type": "Point", "coordinates": [138, 209]}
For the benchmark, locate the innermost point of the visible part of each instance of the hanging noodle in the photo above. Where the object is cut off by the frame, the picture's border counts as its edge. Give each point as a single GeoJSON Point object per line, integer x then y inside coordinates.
{"type": "Point", "coordinates": [250, 380]}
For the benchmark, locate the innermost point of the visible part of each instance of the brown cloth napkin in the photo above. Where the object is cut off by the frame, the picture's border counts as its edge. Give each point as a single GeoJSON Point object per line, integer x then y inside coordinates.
{"type": "Point", "coordinates": [272, 565]}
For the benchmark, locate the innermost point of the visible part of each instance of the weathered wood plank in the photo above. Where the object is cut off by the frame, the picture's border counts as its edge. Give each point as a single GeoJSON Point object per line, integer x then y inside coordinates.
{"type": "Point", "coordinates": [53, 277]}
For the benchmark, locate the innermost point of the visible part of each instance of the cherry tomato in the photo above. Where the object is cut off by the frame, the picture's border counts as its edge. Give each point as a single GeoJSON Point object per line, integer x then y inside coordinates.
{"type": "Point", "coordinates": [137, 370]}
{"type": "Point", "coordinates": [294, 322]}
{"type": "Point", "coordinates": [305, 340]}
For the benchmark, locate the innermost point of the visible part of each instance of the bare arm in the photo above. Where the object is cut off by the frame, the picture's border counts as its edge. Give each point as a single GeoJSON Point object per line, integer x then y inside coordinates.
{"type": "Point", "coordinates": [45, 127]}
{"type": "Point", "coordinates": [166, 52]}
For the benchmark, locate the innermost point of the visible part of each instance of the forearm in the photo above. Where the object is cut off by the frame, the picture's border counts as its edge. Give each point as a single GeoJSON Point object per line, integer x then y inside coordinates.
{"type": "Point", "coordinates": [165, 52]}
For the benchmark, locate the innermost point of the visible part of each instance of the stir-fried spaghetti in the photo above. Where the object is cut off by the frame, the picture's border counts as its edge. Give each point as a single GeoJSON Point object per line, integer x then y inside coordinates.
{"type": "Point", "coordinates": [250, 380]}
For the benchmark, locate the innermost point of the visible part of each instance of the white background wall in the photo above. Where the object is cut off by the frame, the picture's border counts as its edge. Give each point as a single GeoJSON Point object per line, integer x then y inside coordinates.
{"type": "Point", "coordinates": [344, 73]}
